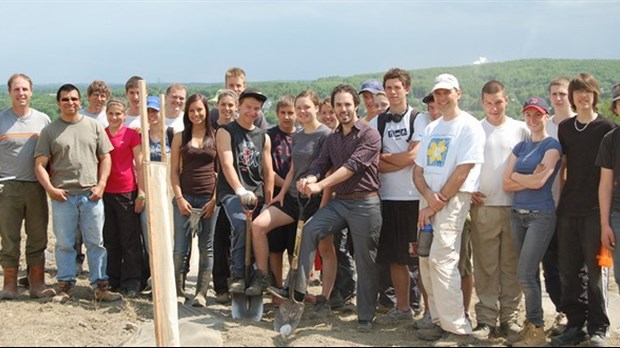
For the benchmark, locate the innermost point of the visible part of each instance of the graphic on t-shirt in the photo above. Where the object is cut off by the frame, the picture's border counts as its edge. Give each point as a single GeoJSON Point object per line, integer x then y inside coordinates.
{"type": "Point", "coordinates": [247, 156]}
{"type": "Point", "coordinates": [436, 152]}
{"type": "Point", "coordinates": [397, 133]}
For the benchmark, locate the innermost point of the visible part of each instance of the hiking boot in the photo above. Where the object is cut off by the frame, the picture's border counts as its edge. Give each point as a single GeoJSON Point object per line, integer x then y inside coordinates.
{"type": "Point", "coordinates": [559, 325]}
{"type": "Point", "coordinates": [510, 340]}
{"type": "Point", "coordinates": [364, 326]}
{"type": "Point", "coordinates": [431, 334]}
{"type": "Point", "coordinates": [482, 331]}
{"type": "Point", "coordinates": [572, 336]}
{"type": "Point", "coordinates": [237, 286]}
{"type": "Point", "coordinates": [533, 337]}
{"type": "Point", "coordinates": [424, 323]}
{"type": "Point", "coordinates": [258, 285]}
{"type": "Point", "coordinates": [449, 339]}
{"type": "Point", "coordinates": [321, 309]}
{"type": "Point", "coordinates": [395, 316]}
{"type": "Point", "coordinates": [65, 291]}
{"type": "Point", "coordinates": [222, 298]}
{"type": "Point", "coordinates": [103, 293]}
{"type": "Point", "coordinates": [597, 340]}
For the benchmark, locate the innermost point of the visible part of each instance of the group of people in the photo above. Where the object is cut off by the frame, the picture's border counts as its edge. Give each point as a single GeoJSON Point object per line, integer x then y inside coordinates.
{"type": "Point", "coordinates": [509, 195]}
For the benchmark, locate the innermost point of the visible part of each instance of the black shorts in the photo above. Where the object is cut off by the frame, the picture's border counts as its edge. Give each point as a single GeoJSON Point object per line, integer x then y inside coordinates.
{"type": "Point", "coordinates": [283, 238]}
{"type": "Point", "coordinates": [399, 228]}
{"type": "Point", "coordinates": [291, 206]}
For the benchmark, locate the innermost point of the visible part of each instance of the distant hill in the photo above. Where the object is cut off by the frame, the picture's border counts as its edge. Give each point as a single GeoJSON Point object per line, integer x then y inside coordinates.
{"type": "Point", "coordinates": [523, 78]}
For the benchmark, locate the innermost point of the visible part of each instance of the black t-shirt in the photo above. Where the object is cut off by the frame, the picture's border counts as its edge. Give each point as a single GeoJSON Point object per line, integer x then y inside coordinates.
{"type": "Point", "coordinates": [609, 158]}
{"type": "Point", "coordinates": [247, 150]}
{"type": "Point", "coordinates": [281, 150]}
{"type": "Point", "coordinates": [580, 193]}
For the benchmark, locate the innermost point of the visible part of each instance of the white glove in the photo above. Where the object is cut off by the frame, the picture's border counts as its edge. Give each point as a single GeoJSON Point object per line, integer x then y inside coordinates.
{"type": "Point", "coordinates": [246, 197]}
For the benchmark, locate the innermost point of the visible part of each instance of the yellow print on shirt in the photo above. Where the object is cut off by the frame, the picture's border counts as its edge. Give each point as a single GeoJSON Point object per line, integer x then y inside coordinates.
{"type": "Point", "coordinates": [436, 152]}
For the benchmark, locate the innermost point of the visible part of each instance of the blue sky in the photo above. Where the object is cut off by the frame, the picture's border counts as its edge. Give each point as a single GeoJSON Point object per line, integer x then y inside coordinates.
{"type": "Point", "coordinates": [196, 41]}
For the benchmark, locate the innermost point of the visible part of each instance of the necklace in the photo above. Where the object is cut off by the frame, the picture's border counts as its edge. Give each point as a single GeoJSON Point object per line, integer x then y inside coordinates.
{"type": "Point", "coordinates": [584, 127]}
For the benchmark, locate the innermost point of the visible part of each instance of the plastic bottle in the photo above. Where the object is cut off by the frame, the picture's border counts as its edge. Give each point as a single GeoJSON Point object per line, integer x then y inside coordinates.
{"type": "Point", "coordinates": [604, 257]}
{"type": "Point", "coordinates": [425, 239]}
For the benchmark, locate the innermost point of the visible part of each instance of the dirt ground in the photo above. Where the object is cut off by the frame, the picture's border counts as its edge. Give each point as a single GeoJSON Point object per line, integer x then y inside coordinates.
{"type": "Point", "coordinates": [82, 322]}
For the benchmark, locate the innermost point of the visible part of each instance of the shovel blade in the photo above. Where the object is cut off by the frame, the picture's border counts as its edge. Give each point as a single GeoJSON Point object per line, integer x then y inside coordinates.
{"type": "Point", "coordinates": [247, 307]}
{"type": "Point", "coordinates": [289, 313]}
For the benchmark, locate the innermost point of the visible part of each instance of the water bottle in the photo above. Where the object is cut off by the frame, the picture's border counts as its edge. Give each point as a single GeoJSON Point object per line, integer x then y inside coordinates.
{"type": "Point", "coordinates": [425, 239]}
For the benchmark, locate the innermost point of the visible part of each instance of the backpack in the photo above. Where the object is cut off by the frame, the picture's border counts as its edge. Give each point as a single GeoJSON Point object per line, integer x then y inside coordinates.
{"type": "Point", "coordinates": [382, 120]}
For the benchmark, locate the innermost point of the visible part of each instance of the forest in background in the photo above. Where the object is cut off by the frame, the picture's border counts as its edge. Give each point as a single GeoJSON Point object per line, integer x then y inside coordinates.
{"type": "Point", "coordinates": [522, 78]}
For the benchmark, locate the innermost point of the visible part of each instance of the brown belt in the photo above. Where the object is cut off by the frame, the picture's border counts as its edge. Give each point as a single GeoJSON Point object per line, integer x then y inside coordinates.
{"type": "Point", "coordinates": [356, 196]}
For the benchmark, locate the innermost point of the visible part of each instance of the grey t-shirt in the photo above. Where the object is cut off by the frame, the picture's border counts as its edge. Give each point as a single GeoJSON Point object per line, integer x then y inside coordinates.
{"type": "Point", "coordinates": [306, 147]}
{"type": "Point", "coordinates": [18, 138]}
{"type": "Point", "coordinates": [74, 150]}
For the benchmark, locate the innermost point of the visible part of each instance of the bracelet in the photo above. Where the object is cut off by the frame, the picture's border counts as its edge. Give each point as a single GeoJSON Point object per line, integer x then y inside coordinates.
{"type": "Point", "coordinates": [141, 197]}
{"type": "Point", "coordinates": [178, 198]}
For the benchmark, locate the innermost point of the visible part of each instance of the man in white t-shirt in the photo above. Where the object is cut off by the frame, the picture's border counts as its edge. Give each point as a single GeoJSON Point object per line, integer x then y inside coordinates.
{"type": "Point", "coordinates": [399, 198]}
{"type": "Point", "coordinates": [98, 94]}
{"type": "Point", "coordinates": [495, 259]}
{"type": "Point", "coordinates": [176, 94]}
{"type": "Point", "coordinates": [446, 174]}
{"type": "Point", "coordinates": [132, 92]}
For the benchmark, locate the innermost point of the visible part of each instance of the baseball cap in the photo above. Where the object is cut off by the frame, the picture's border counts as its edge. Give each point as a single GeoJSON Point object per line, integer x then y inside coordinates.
{"type": "Point", "coordinates": [539, 104]}
{"type": "Point", "coordinates": [372, 86]}
{"type": "Point", "coordinates": [445, 81]}
{"type": "Point", "coordinates": [428, 99]}
{"type": "Point", "coordinates": [152, 102]}
{"type": "Point", "coordinates": [615, 94]}
{"type": "Point", "coordinates": [254, 93]}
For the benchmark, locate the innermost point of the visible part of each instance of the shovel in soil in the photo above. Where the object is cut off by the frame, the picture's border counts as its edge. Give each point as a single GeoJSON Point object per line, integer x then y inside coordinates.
{"type": "Point", "coordinates": [288, 316]}
{"type": "Point", "coordinates": [243, 306]}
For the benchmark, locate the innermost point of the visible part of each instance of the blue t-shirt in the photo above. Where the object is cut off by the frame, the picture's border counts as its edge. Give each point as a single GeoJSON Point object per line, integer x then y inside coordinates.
{"type": "Point", "coordinates": [529, 155]}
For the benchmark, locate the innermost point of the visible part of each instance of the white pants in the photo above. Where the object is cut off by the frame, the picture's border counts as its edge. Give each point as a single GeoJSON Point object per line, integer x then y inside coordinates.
{"type": "Point", "coordinates": [440, 273]}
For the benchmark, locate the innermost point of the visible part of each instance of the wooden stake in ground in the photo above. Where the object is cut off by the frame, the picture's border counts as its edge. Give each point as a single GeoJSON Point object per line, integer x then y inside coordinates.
{"type": "Point", "coordinates": [159, 226]}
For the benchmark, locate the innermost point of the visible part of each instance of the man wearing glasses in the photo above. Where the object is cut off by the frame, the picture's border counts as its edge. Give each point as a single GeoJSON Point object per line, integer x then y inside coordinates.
{"type": "Point", "coordinates": [77, 150]}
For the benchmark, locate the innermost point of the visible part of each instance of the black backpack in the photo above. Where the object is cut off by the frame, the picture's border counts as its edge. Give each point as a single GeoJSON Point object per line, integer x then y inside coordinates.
{"type": "Point", "coordinates": [382, 120]}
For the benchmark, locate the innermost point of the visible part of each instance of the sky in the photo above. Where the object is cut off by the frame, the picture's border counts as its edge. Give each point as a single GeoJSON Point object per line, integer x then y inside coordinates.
{"type": "Point", "coordinates": [196, 41]}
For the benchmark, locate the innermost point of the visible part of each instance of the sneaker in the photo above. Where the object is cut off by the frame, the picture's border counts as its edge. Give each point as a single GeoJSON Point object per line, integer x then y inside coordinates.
{"type": "Point", "coordinates": [65, 291]}
{"type": "Point", "coordinates": [533, 337]}
{"type": "Point", "coordinates": [432, 334]}
{"type": "Point", "coordinates": [364, 326]}
{"type": "Point", "coordinates": [597, 340]}
{"type": "Point", "coordinates": [511, 331]}
{"type": "Point", "coordinates": [482, 331]}
{"type": "Point", "coordinates": [395, 316]}
{"type": "Point", "coordinates": [222, 298]}
{"type": "Point", "coordinates": [276, 301]}
{"type": "Point", "coordinates": [103, 293]}
{"type": "Point", "coordinates": [260, 282]}
{"type": "Point", "coordinates": [559, 325]}
{"type": "Point", "coordinates": [237, 286]}
{"type": "Point", "coordinates": [572, 336]}
{"type": "Point", "coordinates": [335, 300]}
{"type": "Point", "coordinates": [424, 323]}
{"type": "Point", "coordinates": [132, 293]}
{"type": "Point", "coordinates": [449, 339]}
{"type": "Point", "coordinates": [321, 309]}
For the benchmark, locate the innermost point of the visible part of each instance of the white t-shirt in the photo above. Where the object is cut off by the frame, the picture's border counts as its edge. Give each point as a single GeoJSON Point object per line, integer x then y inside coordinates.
{"type": "Point", "coordinates": [176, 124]}
{"type": "Point", "coordinates": [101, 117]}
{"type": "Point", "coordinates": [419, 126]}
{"type": "Point", "coordinates": [500, 140]}
{"type": "Point", "coordinates": [398, 185]}
{"type": "Point", "coordinates": [447, 144]}
{"type": "Point", "coordinates": [132, 121]}
{"type": "Point", "coordinates": [552, 129]}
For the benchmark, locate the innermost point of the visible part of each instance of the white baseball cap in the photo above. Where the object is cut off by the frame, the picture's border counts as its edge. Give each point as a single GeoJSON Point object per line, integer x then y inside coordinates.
{"type": "Point", "coordinates": [446, 81]}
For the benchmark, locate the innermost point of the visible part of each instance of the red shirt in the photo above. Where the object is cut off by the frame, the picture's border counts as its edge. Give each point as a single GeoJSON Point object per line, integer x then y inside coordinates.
{"type": "Point", "coordinates": [122, 176]}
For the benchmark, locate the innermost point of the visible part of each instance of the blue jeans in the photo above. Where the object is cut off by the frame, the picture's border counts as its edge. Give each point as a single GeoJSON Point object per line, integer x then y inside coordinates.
{"type": "Point", "coordinates": [183, 235]}
{"type": "Point", "coordinates": [615, 225]}
{"type": "Point", "coordinates": [79, 211]}
{"type": "Point", "coordinates": [531, 233]}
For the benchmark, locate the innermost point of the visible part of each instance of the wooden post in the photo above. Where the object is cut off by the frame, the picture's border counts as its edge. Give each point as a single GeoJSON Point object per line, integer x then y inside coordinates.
{"type": "Point", "coordinates": [162, 122]}
{"type": "Point", "coordinates": [159, 228]}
